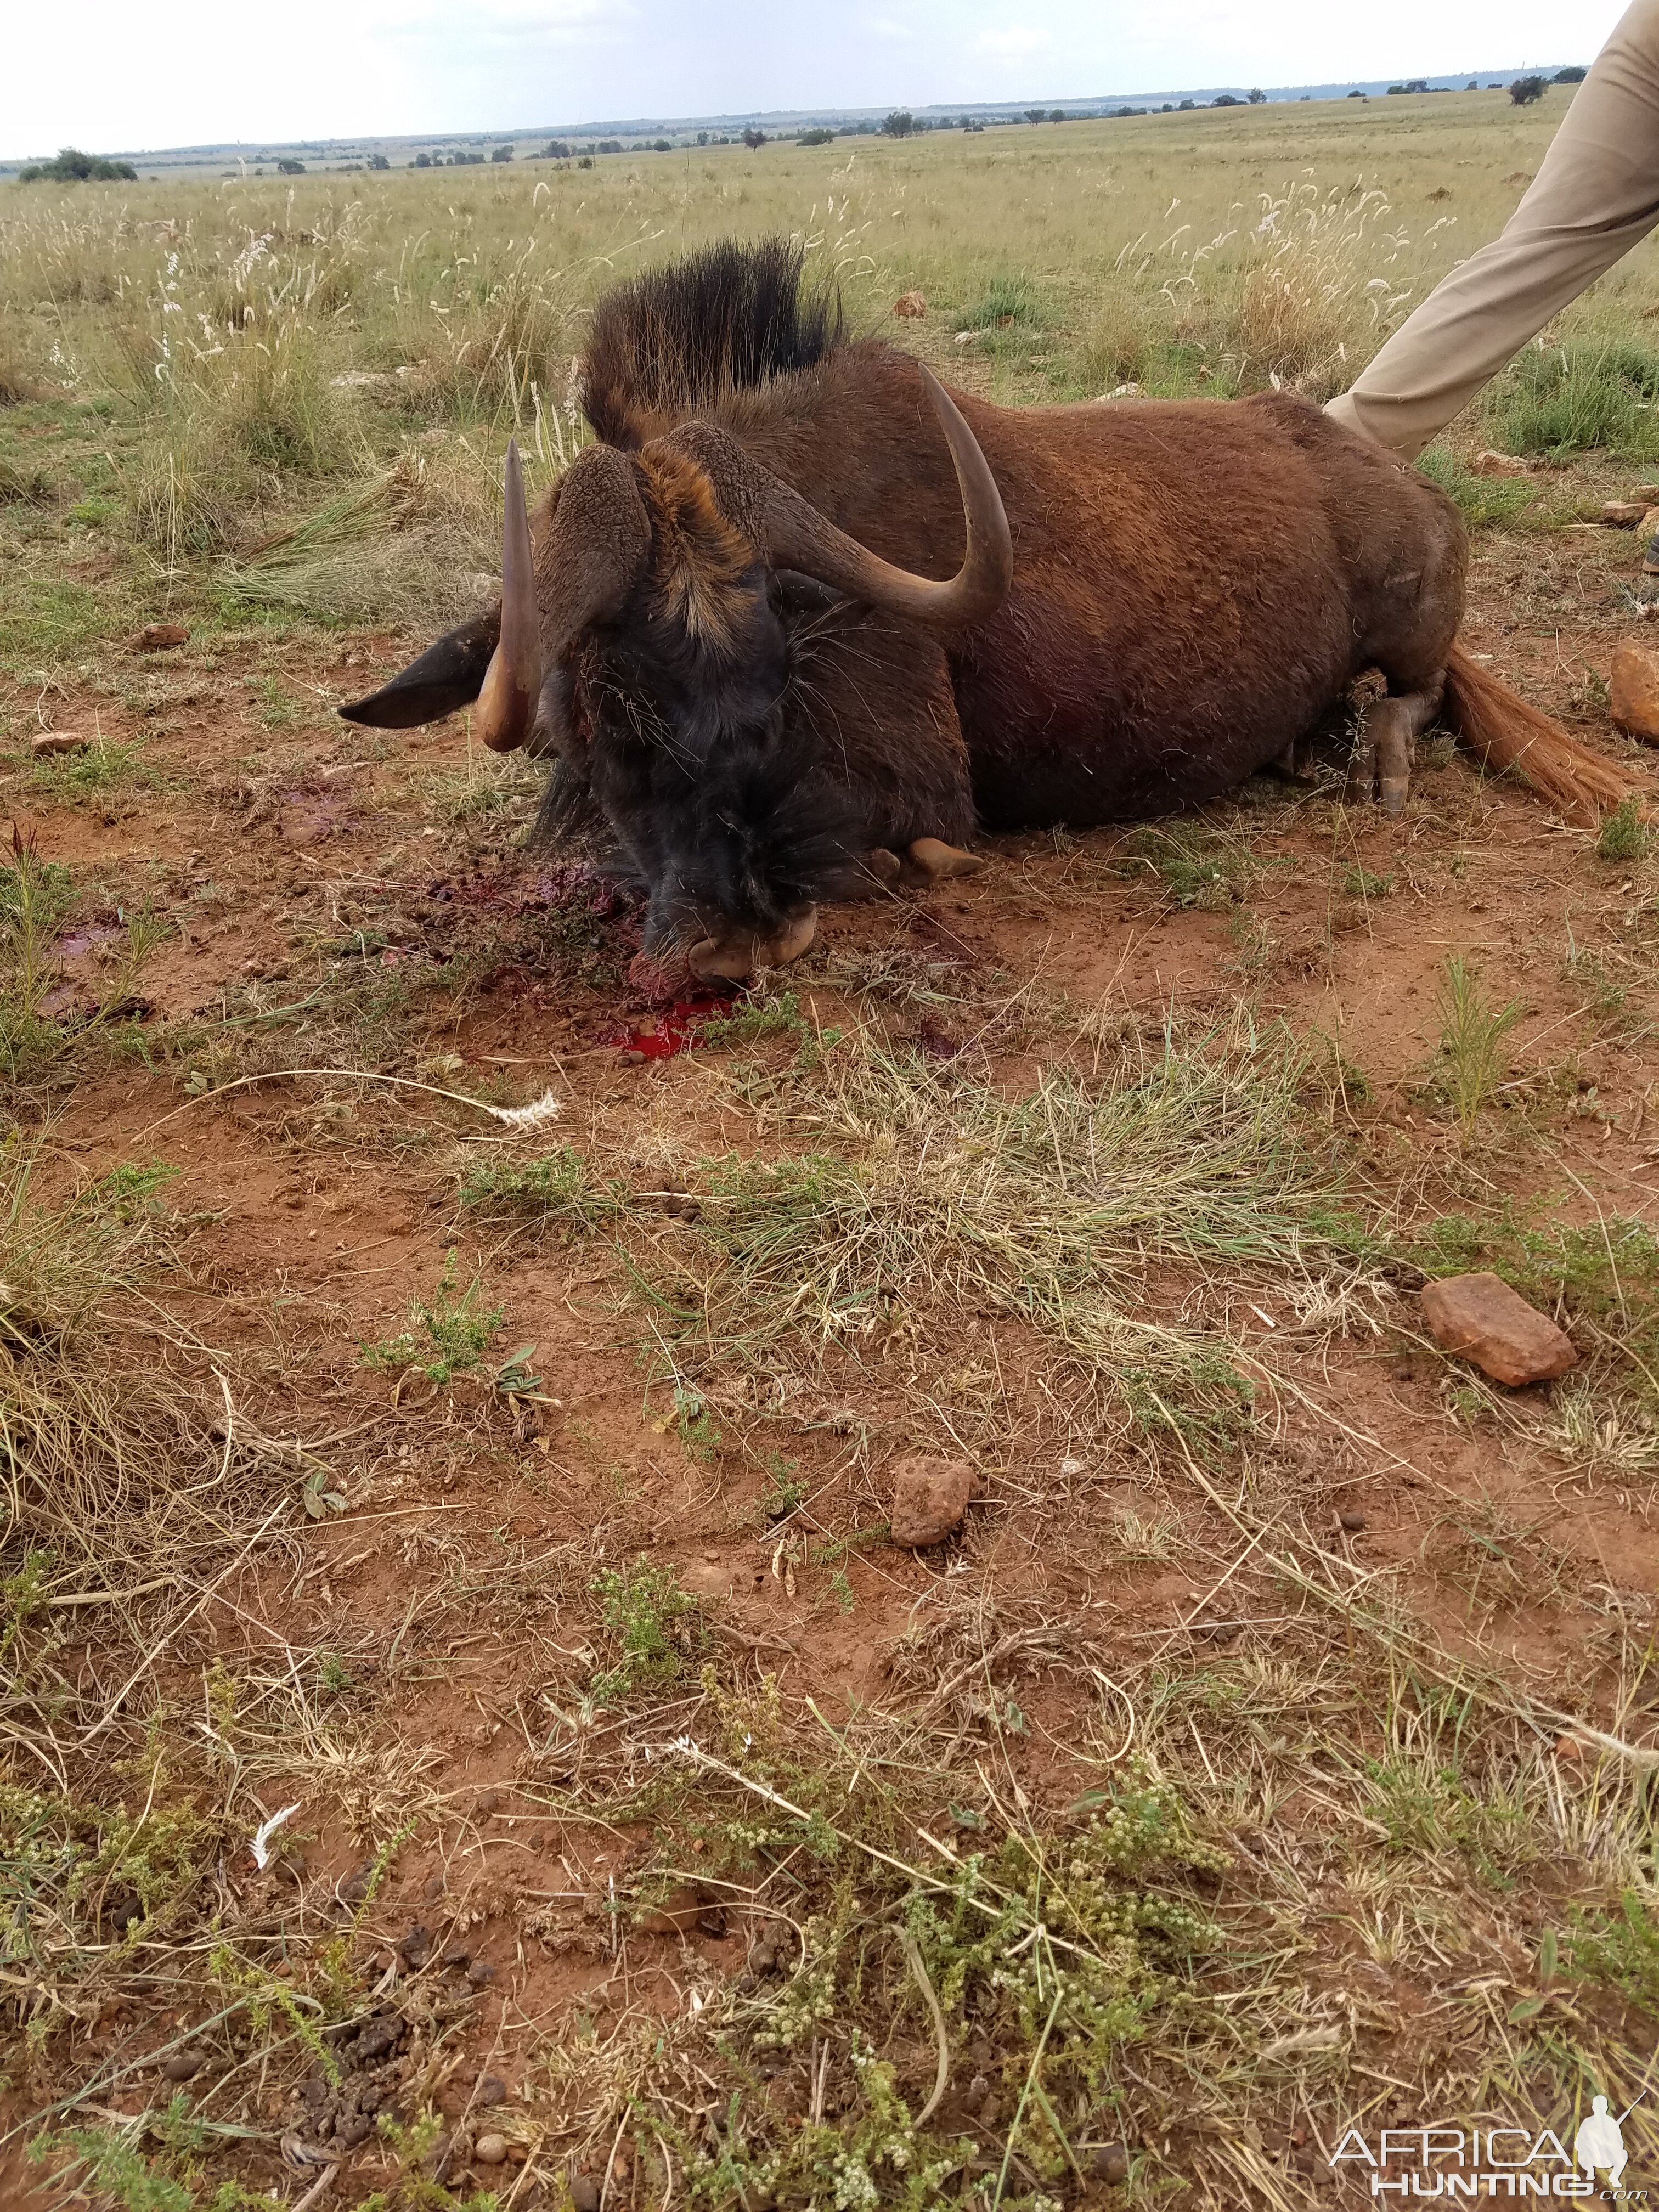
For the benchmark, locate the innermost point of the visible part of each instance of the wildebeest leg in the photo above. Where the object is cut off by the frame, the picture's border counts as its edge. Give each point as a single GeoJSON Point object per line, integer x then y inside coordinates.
{"type": "Point", "coordinates": [1380, 764]}
{"type": "Point", "coordinates": [930, 861]}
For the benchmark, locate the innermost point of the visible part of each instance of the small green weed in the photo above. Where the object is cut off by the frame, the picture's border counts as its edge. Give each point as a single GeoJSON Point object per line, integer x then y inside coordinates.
{"type": "Point", "coordinates": [559, 1192]}
{"type": "Point", "coordinates": [1360, 884]}
{"type": "Point", "coordinates": [1621, 1949]}
{"type": "Point", "coordinates": [650, 1622]}
{"type": "Point", "coordinates": [444, 1339]}
{"type": "Point", "coordinates": [1471, 1041]}
{"type": "Point", "coordinates": [1624, 834]}
{"type": "Point", "coordinates": [1196, 868]}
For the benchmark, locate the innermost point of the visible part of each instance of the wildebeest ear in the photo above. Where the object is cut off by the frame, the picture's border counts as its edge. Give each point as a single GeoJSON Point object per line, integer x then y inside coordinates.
{"type": "Point", "coordinates": [447, 675]}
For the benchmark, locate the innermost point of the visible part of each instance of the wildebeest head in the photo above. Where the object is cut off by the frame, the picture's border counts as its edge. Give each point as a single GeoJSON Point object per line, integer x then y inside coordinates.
{"type": "Point", "coordinates": [645, 635]}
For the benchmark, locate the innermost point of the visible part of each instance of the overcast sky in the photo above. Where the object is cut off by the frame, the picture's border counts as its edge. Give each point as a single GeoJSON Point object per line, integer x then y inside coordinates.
{"type": "Point", "coordinates": [108, 73]}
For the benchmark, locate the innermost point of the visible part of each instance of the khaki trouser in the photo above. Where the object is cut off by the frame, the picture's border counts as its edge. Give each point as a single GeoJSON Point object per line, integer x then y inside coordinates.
{"type": "Point", "coordinates": [1596, 194]}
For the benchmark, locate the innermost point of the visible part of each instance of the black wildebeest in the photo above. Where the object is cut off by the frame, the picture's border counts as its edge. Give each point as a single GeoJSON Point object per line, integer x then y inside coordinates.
{"type": "Point", "coordinates": [723, 625]}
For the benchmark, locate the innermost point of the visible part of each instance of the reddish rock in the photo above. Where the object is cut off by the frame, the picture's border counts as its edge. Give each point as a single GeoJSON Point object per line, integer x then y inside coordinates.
{"type": "Point", "coordinates": [910, 303]}
{"type": "Point", "coordinates": [1633, 690]}
{"type": "Point", "coordinates": [159, 637]}
{"type": "Point", "coordinates": [1623, 513]}
{"type": "Point", "coordinates": [930, 1496]}
{"type": "Point", "coordinates": [1498, 465]}
{"type": "Point", "coordinates": [1482, 1317]}
{"type": "Point", "coordinates": [57, 741]}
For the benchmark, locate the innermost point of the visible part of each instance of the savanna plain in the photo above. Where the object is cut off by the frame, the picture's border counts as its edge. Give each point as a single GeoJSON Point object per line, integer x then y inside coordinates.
{"type": "Point", "coordinates": [468, 1736]}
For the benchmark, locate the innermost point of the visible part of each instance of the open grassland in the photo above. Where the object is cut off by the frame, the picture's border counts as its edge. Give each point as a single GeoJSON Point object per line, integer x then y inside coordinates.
{"type": "Point", "coordinates": [450, 1433]}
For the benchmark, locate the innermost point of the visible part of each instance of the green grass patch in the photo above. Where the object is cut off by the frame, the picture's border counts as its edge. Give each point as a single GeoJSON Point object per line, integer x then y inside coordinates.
{"type": "Point", "coordinates": [44, 618]}
{"type": "Point", "coordinates": [1486, 502]}
{"type": "Point", "coordinates": [1560, 400]}
{"type": "Point", "coordinates": [443, 1339]}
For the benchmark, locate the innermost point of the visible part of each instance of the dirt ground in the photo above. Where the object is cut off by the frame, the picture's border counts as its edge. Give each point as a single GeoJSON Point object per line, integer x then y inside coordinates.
{"type": "Point", "coordinates": [453, 1527]}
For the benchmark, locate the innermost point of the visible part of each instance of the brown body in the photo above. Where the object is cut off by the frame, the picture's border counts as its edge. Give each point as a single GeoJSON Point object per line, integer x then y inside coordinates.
{"type": "Point", "coordinates": [728, 629]}
{"type": "Point", "coordinates": [1196, 583]}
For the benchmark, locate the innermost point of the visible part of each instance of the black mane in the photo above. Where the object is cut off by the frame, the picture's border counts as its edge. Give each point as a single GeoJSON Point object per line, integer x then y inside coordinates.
{"type": "Point", "coordinates": [729, 316]}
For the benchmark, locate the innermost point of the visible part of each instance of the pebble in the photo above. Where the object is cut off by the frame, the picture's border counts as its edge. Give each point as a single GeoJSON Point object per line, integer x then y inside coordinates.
{"type": "Point", "coordinates": [416, 1947]}
{"type": "Point", "coordinates": [480, 1972]}
{"type": "Point", "coordinates": [1110, 2164]}
{"type": "Point", "coordinates": [492, 2090]}
{"type": "Point", "coordinates": [1480, 1317]}
{"type": "Point", "coordinates": [1633, 690]}
{"type": "Point", "coordinates": [930, 1496]}
{"type": "Point", "coordinates": [432, 1887]}
{"type": "Point", "coordinates": [182, 2065]}
{"type": "Point", "coordinates": [57, 741]}
{"type": "Point", "coordinates": [1353, 1523]}
{"type": "Point", "coordinates": [490, 2150]}
{"type": "Point", "coordinates": [584, 2193]}
{"type": "Point", "coordinates": [1623, 514]}
{"type": "Point", "coordinates": [159, 638]}
{"type": "Point", "coordinates": [975, 2093]}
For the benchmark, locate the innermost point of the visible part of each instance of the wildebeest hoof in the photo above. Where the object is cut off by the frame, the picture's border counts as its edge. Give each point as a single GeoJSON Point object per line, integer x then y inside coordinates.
{"type": "Point", "coordinates": [728, 959]}
{"type": "Point", "coordinates": [930, 861]}
{"type": "Point", "coordinates": [1393, 790]}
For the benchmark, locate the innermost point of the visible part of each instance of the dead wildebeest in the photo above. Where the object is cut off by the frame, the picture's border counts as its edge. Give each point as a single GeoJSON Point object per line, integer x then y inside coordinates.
{"type": "Point", "coordinates": [722, 624]}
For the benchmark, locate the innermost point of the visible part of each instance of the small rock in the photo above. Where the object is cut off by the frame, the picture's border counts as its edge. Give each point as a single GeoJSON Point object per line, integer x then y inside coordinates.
{"type": "Point", "coordinates": [432, 1888]}
{"type": "Point", "coordinates": [930, 1496]}
{"type": "Point", "coordinates": [1479, 1316]}
{"type": "Point", "coordinates": [975, 2093]}
{"type": "Point", "coordinates": [480, 1972]}
{"type": "Point", "coordinates": [1406, 1373]}
{"type": "Point", "coordinates": [1489, 464]}
{"type": "Point", "coordinates": [712, 1922]}
{"type": "Point", "coordinates": [354, 1888]}
{"type": "Point", "coordinates": [492, 2090]}
{"type": "Point", "coordinates": [355, 2132]}
{"type": "Point", "coordinates": [1110, 2164]}
{"type": "Point", "coordinates": [182, 2065]}
{"type": "Point", "coordinates": [57, 741]}
{"type": "Point", "coordinates": [1353, 1523]}
{"type": "Point", "coordinates": [488, 1802]}
{"type": "Point", "coordinates": [584, 2193]}
{"type": "Point", "coordinates": [704, 1581]}
{"type": "Point", "coordinates": [910, 304]}
{"type": "Point", "coordinates": [1623, 514]}
{"type": "Point", "coordinates": [159, 637]}
{"type": "Point", "coordinates": [416, 1947]}
{"type": "Point", "coordinates": [490, 2150]}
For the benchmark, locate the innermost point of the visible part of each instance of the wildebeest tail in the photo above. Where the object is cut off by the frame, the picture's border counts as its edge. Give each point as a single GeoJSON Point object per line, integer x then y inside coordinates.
{"type": "Point", "coordinates": [1502, 730]}
{"type": "Point", "coordinates": [666, 343]}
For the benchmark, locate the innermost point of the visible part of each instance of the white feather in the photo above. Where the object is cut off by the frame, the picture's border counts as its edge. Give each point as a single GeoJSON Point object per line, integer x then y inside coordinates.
{"type": "Point", "coordinates": [547, 1107]}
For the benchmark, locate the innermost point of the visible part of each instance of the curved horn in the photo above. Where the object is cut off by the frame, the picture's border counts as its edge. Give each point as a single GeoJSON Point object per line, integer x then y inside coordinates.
{"type": "Point", "coordinates": [593, 549]}
{"type": "Point", "coordinates": [512, 682]}
{"type": "Point", "coordinates": [793, 534]}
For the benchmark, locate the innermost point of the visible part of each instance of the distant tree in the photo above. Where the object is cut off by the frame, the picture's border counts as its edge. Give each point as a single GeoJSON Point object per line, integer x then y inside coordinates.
{"type": "Point", "coordinates": [1526, 90]}
{"type": "Point", "coordinates": [288, 166]}
{"type": "Point", "coordinates": [661, 146]}
{"type": "Point", "coordinates": [379, 161]}
{"type": "Point", "coordinates": [1473, 85]}
{"type": "Point", "coordinates": [1570, 76]}
{"type": "Point", "coordinates": [1036, 115]}
{"type": "Point", "coordinates": [1166, 109]}
{"type": "Point", "coordinates": [1117, 113]}
{"type": "Point", "coordinates": [423, 161]}
{"type": "Point", "coordinates": [900, 123]}
{"type": "Point", "coordinates": [753, 139]}
{"type": "Point", "coordinates": [72, 166]}
{"type": "Point", "coordinates": [609, 146]}
{"type": "Point", "coordinates": [1356, 93]}
{"type": "Point", "coordinates": [1226, 99]}
{"type": "Point", "coordinates": [1056, 115]}
{"type": "Point", "coordinates": [1257, 97]}
{"type": "Point", "coordinates": [702, 137]}
{"type": "Point", "coordinates": [502, 154]}
{"type": "Point", "coordinates": [1185, 106]}
{"type": "Point", "coordinates": [584, 160]}
{"type": "Point", "coordinates": [556, 149]}
{"type": "Point", "coordinates": [817, 137]}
